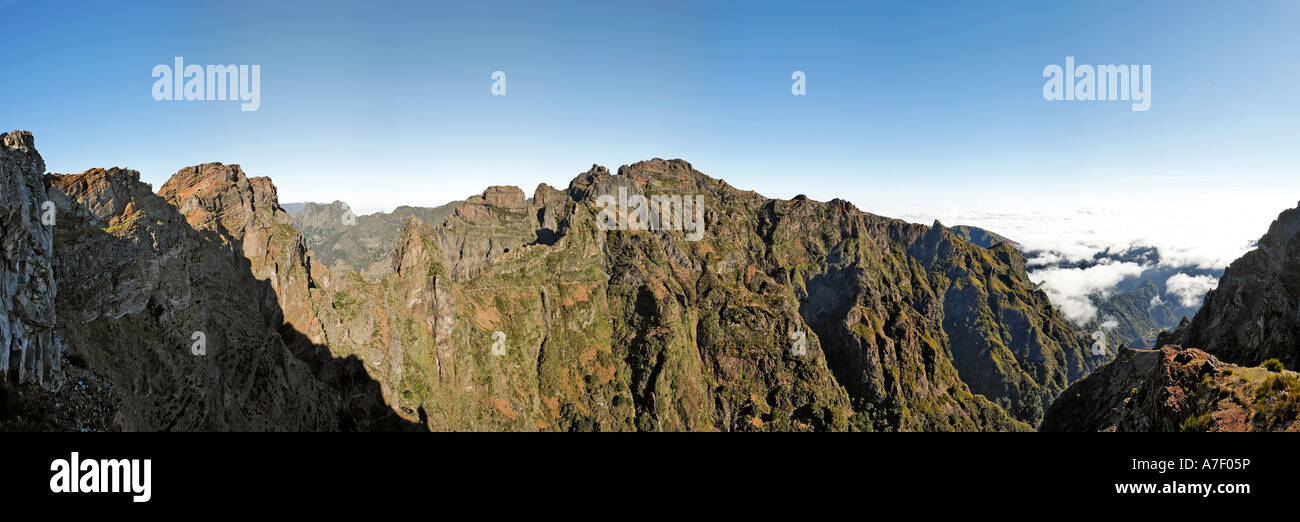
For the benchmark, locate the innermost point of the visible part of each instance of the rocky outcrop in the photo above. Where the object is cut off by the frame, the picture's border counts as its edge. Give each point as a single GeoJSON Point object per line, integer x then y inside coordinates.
{"type": "Point", "coordinates": [29, 350]}
{"type": "Point", "coordinates": [1254, 314]}
{"type": "Point", "coordinates": [1178, 389]}
{"type": "Point", "coordinates": [173, 316]}
{"type": "Point", "coordinates": [221, 199]}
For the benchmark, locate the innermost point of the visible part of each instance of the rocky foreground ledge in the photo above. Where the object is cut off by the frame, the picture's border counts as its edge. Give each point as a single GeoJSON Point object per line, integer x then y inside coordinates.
{"type": "Point", "coordinates": [1178, 389]}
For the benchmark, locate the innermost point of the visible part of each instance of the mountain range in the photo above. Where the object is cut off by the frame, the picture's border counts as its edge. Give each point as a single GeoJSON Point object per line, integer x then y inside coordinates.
{"type": "Point", "coordinates": [206, 306]}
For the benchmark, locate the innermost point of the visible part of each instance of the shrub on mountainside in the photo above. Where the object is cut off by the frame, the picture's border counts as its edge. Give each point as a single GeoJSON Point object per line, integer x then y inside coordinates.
{"type": "Point", "coordinates": [1272, 365]}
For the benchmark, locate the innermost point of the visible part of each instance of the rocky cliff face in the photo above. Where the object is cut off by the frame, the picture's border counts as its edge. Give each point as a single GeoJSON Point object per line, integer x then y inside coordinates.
{"type": "Point", "coordinates": [191, 309]}
{"type": "Point", "coordinates": [144, 286]}
{"type": "Point", "coordinates": [1254, 314]}
{"type": "Point", "coordinates": [29, 351]}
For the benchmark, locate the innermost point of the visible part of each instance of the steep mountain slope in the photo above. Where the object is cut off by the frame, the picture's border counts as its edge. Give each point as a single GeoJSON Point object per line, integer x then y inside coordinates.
{"type": "Point", "coordinates": [1254, 314]}
{"type": "Point", "coordinates": [1131, 312]}
{"type": "Point", "coordinates": [212, 260]}
{"type": "Point", "coordinates": [348, 243]}
{"type": "Point", "coordinates": [1007, 340]}
{"type": "Point", "coordinates": [189, 310]}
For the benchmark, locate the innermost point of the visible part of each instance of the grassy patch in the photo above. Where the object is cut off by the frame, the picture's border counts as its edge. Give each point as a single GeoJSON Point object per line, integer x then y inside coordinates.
{"type": "Point", "coordinates": [1277, 401]}
{"type": "Point", "coordinates": [1200, 422]}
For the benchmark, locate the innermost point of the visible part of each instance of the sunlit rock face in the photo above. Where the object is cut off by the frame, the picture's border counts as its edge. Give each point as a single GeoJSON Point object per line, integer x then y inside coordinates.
{"type": "Point", "coordinates": [29, 351]}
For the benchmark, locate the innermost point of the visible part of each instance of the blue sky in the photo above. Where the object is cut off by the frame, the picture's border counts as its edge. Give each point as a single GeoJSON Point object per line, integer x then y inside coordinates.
{"type": "Point", "coordinates": [913, 109]}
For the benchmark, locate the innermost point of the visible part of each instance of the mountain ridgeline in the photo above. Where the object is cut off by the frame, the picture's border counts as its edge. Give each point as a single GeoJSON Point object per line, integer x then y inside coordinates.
{"type": "Point", "coordinates": [507, 312]}
{"type": "Point", "coordinates": [345, 242]}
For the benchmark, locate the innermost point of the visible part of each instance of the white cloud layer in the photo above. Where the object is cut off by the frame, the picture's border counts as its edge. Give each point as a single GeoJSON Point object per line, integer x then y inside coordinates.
{"type": "Point", "coordinates": [1190, 290]}
{"type": "Point", "coordinates": [1203, 228]}
{"type": "Point", "coordinates": [1156, 301]}
{"type": "Point", "coordinates": [1205, 224]}
{"type": "Point", "coordinates": [1070, 289]}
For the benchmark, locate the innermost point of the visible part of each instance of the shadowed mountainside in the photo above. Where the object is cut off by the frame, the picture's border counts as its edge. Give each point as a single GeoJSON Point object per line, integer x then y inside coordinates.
{"type": "Point", "coordinates": [142, 282]}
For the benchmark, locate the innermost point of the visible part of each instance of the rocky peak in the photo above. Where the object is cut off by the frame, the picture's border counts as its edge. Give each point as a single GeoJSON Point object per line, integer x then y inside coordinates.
{"type": "Point", "coordinates": [214, 194]}
{"type": "Point", "coordinates": [503, 197]}
{"type": "Point", "coordinates": [220, 198]}
{"type": "Point", "coordinates": [100, 194]}
{"type": "Point", "coordinates": [29, 352]}
{"type": "Point", "coordinates": [1254, 313]}
{"type": "Point", "coordinates": [657, 168]}
{"type": "Point", "coordinates": [597, 181]}
{"type": "Point", "coordinates": [19, 142]}
{"type": "Point", "coordinates": [409, 252]}
{"type": "Point", "coordinates": [545, 195]}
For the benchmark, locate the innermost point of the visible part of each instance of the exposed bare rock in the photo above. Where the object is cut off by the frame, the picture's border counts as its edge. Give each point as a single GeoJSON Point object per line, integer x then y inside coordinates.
{"type": "Point", "coordinates": [505, 198]}
{"type": "Point", "coordinates": [1178, 389]}
{"type": "Point", "coordinates": [1254, 314]}
{"type": "Point", "coordinates": [205, 319]}
{"type": "Point", "coordinates": [29, 351]}
{"type": "Point", "coordinates": [142, 283]}
{"type": "Point", "coordinates": [220, 198]}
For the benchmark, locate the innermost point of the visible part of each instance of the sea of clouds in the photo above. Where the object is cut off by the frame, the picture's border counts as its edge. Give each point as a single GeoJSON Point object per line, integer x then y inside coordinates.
{"type": "Point", "coordinates": [1064, 235]}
